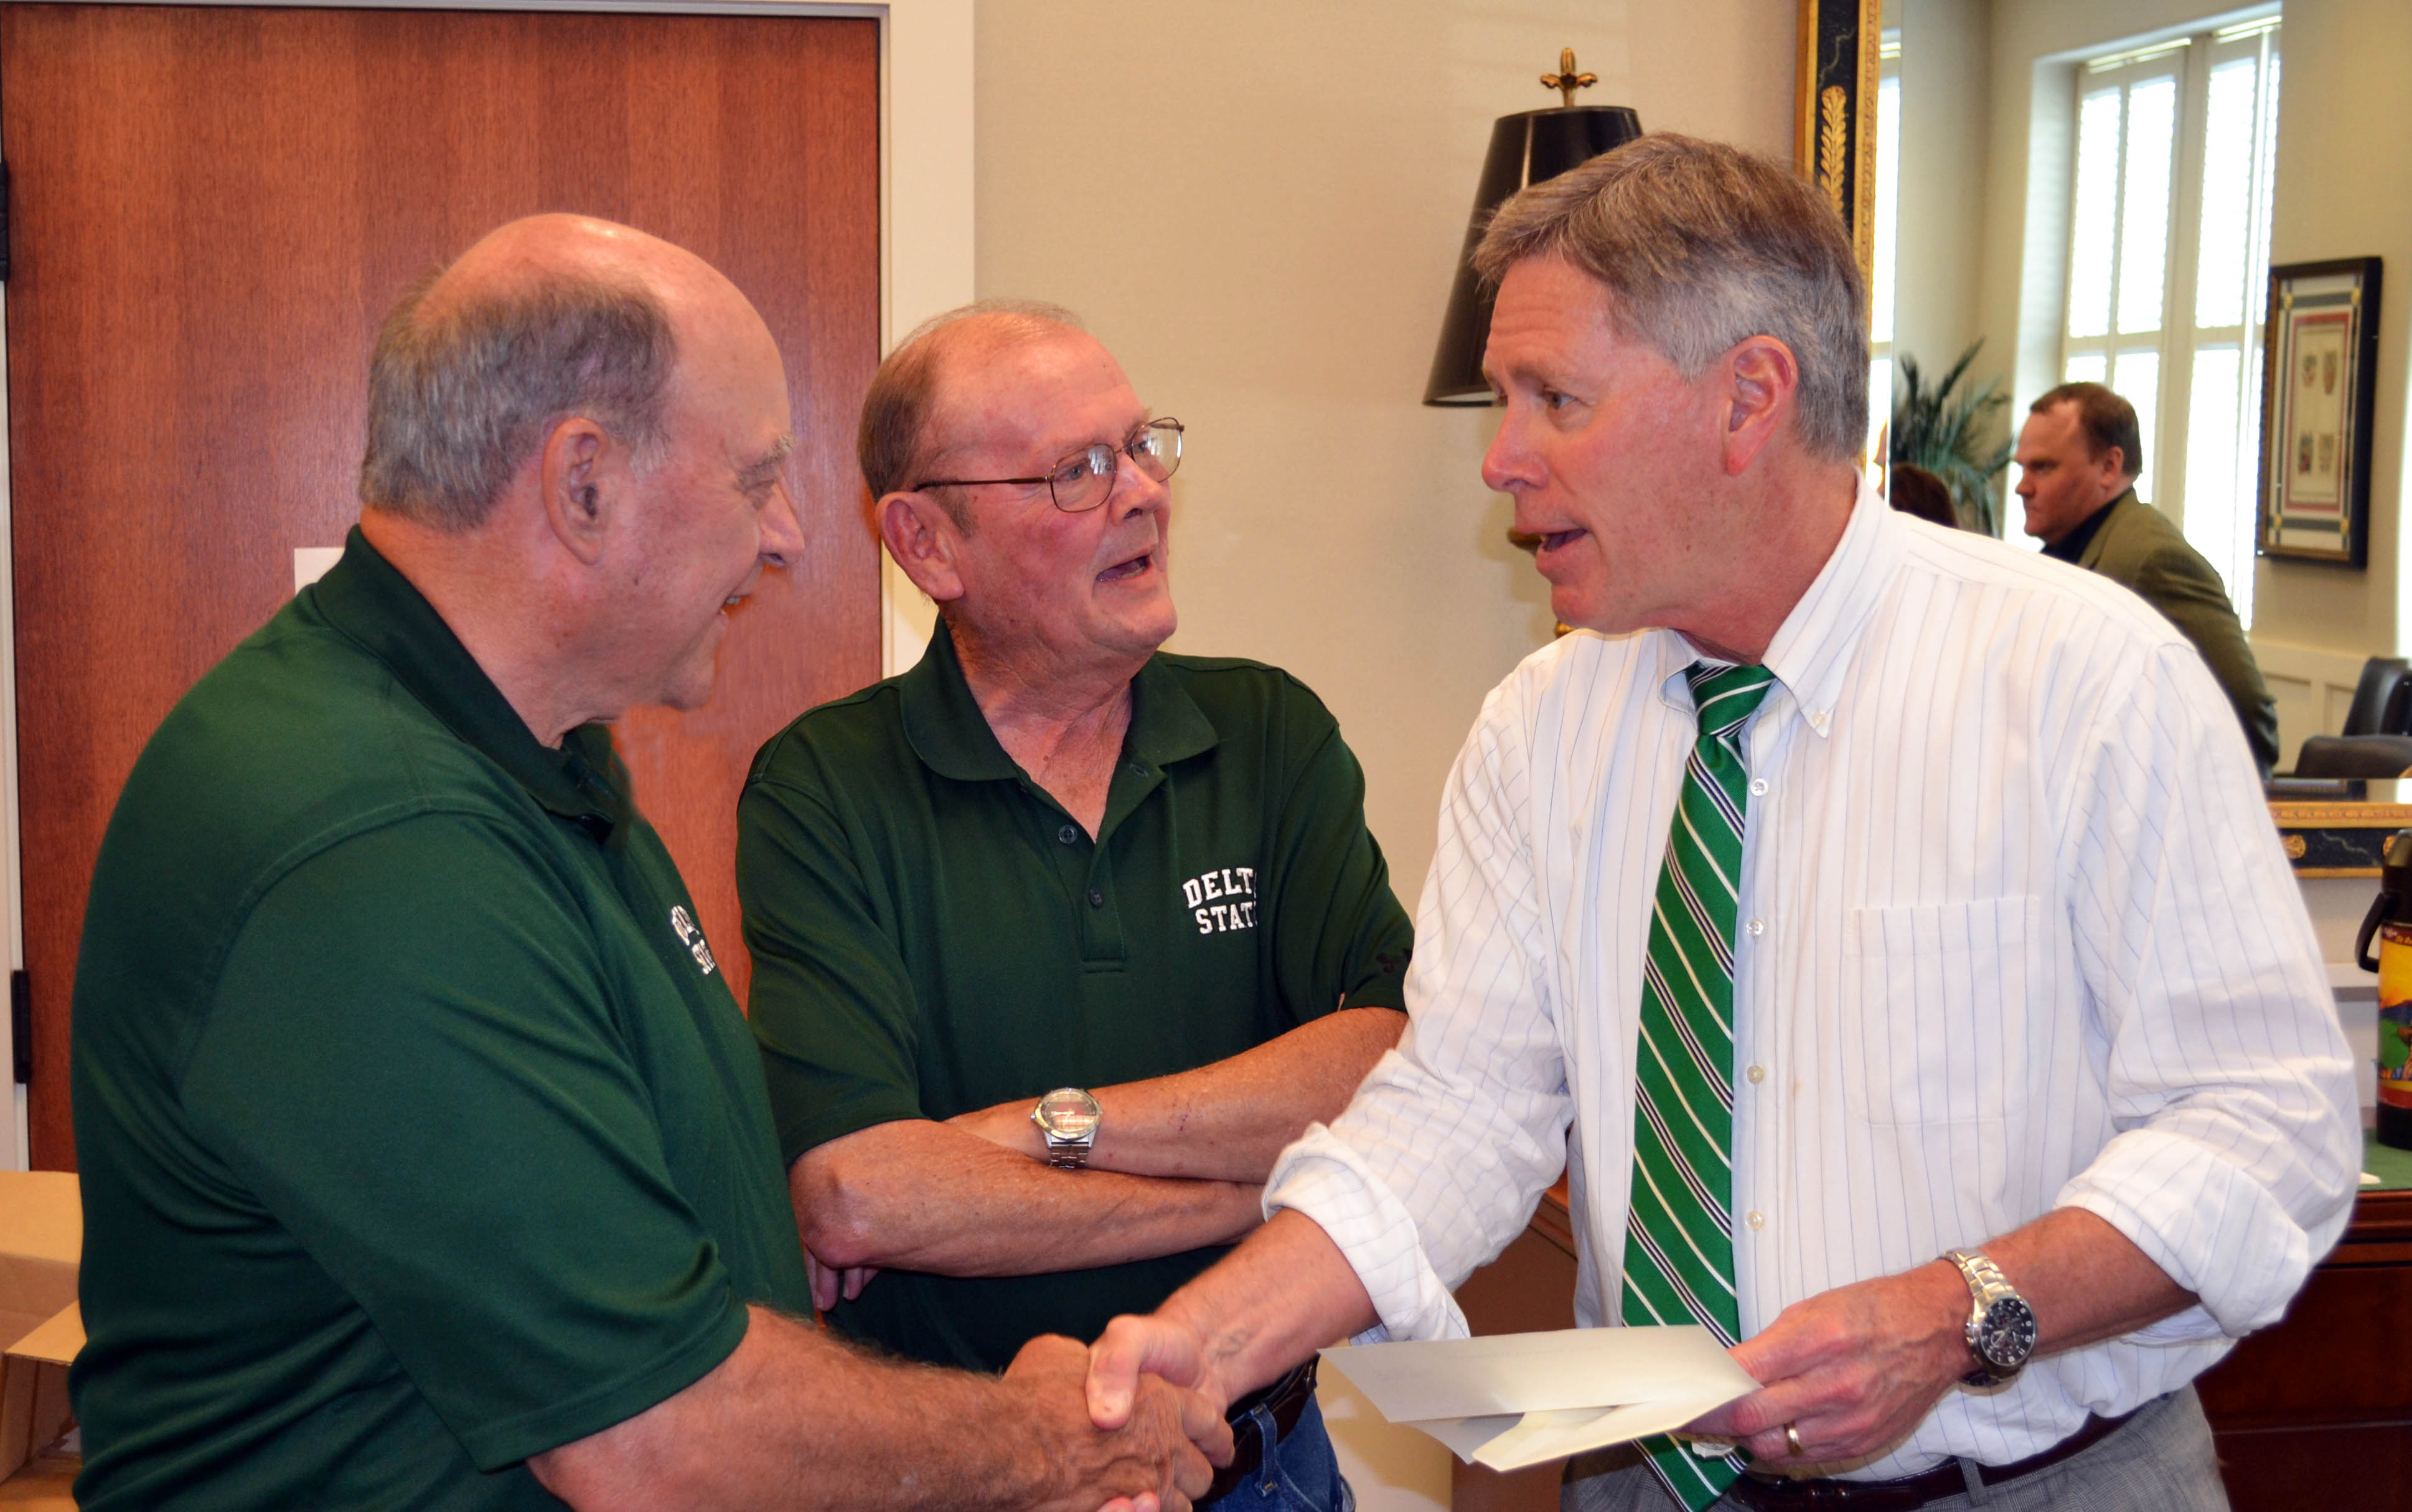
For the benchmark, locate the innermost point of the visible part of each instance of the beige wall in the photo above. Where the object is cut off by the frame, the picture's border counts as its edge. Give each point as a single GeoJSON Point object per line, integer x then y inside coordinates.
{"type": "Point", "coordinates": [1257, 206]}
{"type": "Point", "coordinates": [2344, 190]}
{"type": "Point", "coordinates": [1944, 89]}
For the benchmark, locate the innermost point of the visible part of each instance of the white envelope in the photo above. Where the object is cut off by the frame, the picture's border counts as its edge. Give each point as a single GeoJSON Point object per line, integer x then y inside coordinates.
{"type": "Point", "coordinates": [1512, 1399]}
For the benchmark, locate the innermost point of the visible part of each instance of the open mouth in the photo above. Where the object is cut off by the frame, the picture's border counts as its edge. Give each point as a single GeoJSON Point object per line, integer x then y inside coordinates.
{"type": "Point", "coordinates": [1124, 571]}
{"type": "Point", "coordinates": [1548, 540]}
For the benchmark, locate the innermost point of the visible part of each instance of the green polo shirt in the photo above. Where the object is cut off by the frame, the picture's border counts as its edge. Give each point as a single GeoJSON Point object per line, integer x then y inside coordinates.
{"type": "Point", "coordinates": [933, 934]}
{"type": "Point", "coordinates": [419, 1130]}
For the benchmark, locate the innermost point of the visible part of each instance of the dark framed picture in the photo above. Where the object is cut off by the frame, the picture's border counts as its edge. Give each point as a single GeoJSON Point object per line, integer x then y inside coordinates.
{"type": "Point", "coordinates": [2320, 366]}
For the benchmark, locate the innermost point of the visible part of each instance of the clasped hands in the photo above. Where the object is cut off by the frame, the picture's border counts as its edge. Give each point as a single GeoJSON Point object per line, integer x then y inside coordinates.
{"type": "Point", "coordinates": [1160, 1451]}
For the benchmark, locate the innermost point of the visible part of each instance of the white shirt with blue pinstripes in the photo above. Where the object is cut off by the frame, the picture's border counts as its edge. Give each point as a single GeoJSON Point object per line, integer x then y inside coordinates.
{"type": "Point", "coordinates": [2017, 935]}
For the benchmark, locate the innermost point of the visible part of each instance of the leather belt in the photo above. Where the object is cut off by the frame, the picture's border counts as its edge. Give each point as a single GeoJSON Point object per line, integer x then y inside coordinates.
{"type": "Point", "coordinates": [1762, 1492]}
{"type": "Point", "coordinates": [1286, 1400]}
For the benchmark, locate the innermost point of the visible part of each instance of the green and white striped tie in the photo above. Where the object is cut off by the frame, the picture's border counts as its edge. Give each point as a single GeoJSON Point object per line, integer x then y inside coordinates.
{"type": "Point", "coordinates": [1679, 1235]}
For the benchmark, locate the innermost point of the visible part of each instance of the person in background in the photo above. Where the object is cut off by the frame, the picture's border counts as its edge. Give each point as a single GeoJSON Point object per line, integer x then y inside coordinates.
{"type": "Point", "coordinates": [2079, 456]}
{"type": "Point", "coordinates": [426, 1157]}
{"type": "Point", "coordinates": [1883, 928]}
{"type": "Point", "coordinates": [1049, 933]}
{"type": "Point", "coordinates": [1914, 490]}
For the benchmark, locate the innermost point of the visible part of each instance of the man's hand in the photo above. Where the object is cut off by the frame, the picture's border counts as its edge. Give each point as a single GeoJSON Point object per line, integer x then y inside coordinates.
{"type": "Point", "coordinates": [1852, 1371]}
{"type": "Point", "coordinates": [831, 1281]}
{"type": "Point", "coordinates": [1161, 1455]}
{"type": "Point", "coordinates": [1133, 1348]}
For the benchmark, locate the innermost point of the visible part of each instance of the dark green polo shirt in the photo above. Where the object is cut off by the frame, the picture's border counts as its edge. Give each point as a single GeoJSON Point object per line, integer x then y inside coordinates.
{"type": "Point", "coordinates": [933, 934]}
{"type": "Point", "coordinates": [419, 1130]}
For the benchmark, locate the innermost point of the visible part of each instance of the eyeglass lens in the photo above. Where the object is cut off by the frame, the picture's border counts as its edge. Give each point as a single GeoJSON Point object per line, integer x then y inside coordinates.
{"type": "Point", "coordinates": [1083, 481]}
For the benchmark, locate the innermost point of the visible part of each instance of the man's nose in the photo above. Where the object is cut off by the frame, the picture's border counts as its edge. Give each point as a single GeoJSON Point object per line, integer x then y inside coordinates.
{"type": "Point", "coordinates": [783, 539]}
{"type": "Point", "coordinates": [1132, 490]}
{"type": "Point", "coordinates": [1509, 461]}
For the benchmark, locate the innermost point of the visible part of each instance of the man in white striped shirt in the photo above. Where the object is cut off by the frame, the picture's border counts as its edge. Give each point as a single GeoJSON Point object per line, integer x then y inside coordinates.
{"type": "Point", "coordinates": [2016, 969]}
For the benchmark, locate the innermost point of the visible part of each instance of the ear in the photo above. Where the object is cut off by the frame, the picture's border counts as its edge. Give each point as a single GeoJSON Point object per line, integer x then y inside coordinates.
{"type": "Point", "coordinates": [576, 504]}
{"type": "Point", "coordinates": [924, 540]}
{"type": "Point", "coordinates": [1761, 379]}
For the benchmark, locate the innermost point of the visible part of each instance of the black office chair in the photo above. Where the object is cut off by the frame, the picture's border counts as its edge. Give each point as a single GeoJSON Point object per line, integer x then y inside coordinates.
{"type": "Point", "coordinates": [2382, 700]}
{"type": "Point", "coordinates": [2355, 756]}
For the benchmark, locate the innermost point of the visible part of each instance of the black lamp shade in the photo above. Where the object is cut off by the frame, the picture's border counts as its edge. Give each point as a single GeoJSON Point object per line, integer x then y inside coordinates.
{"type": "Point", "coordinates": [1526, 149]}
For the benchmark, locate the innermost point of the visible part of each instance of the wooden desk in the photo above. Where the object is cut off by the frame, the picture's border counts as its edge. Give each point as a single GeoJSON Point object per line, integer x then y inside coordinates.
{"type": "Point", "coordinates": [2322, 1400]}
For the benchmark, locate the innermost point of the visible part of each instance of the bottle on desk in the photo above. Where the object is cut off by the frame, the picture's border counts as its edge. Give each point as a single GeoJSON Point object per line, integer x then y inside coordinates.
{"type": "Point", "coordinates": [2390, 920]}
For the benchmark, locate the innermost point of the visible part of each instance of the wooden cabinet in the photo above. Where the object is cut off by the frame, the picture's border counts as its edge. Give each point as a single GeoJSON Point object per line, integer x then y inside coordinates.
{"type": "Point", "coordinates": [2324, 1399]}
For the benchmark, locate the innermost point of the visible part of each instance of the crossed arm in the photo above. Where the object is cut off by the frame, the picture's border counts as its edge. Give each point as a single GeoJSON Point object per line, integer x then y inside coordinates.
{"type": "Point", "coordinates": [1179, 1162]}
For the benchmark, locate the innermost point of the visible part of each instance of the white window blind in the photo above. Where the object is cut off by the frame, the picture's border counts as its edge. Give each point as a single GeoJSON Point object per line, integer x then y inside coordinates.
{"type": "Point", "coordinates": [2168, 253]}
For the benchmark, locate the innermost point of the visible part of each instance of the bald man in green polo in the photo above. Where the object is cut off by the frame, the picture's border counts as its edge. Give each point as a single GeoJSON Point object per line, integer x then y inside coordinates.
{"type": "Point", "coordinates": [1057, 938]}
{"type": "Point", "coordinates": [426, 1163]}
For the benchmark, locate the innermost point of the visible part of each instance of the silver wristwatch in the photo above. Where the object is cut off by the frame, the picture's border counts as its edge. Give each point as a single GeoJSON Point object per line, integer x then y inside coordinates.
{"type": "Point", "coordinates": [2001, 1324]}
{"type": "Point", "coordinates": [1067, 1119]}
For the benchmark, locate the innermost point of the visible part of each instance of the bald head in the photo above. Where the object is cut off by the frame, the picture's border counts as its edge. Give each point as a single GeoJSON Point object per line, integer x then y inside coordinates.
{"type": "Point", "coordinates": [903, 426]}
{"type": "Point", "coordinates": [543, 318]}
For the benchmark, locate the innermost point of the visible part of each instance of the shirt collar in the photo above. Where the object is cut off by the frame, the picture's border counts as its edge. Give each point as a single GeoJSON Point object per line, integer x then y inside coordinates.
{"type": "Point", "coordinates": [366, 598]}
{"type": "Point", "coordinates": [1812, 650]}
{"type": "Point", "coordinates": [2071, 547]}
{"type": "Point", "coordinates": [947, 730]}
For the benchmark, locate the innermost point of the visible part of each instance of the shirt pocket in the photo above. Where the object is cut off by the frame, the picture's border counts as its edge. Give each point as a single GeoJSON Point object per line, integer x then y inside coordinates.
{"type": "Point", "coordinates": [1934, 1009]}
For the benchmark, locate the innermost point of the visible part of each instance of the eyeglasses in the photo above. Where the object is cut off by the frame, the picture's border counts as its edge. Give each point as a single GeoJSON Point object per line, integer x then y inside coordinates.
{"type": "Point", "coordinates": [1083, 480]}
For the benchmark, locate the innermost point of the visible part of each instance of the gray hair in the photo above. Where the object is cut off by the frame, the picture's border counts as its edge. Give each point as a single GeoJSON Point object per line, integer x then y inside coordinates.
{"type": "Point", "coordinates": [893, 441]}
{"type": "Point", "coordinates": [459, 399]}
{"type": "Point", "coordinates": [1701, 246]}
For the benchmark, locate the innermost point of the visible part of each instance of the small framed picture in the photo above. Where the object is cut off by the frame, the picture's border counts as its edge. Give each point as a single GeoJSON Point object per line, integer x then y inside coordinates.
{"type": "Point", "coordinates": [2319, 368]}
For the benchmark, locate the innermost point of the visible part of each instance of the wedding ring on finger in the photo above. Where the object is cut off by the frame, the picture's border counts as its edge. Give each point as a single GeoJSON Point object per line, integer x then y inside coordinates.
{"type": "Point", "coordinates": [1792, 1439]}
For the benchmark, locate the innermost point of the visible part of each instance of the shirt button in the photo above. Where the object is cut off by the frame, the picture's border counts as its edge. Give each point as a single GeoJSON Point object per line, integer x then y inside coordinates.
{"type": "Point", "coordinates": [1756, 1074]}
{"type": "Point", "coordinates": [1096, 899]}
{"type": "Point", "coordinates": [1758, 787]}
{"type": "Point", "coordinates": [1755, 1219]}
{"type": "Point", "coordinates": [1068, 834]}
{"type": "Point", "coordinates": [1757, 926]}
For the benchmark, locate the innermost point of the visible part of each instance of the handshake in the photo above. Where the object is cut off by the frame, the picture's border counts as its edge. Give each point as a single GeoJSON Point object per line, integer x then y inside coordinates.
{"type": "Point", "coordinates": [1134, 1423]}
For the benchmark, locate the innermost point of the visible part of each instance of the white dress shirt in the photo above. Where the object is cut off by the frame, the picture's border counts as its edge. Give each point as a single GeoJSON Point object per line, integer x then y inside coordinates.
{"type": "Point", "coordinates": [2016, 935]}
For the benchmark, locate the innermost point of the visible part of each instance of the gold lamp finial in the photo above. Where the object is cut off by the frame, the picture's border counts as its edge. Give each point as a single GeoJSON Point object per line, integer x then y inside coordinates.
{"type": "Point", "coordinates": [1566, 81]}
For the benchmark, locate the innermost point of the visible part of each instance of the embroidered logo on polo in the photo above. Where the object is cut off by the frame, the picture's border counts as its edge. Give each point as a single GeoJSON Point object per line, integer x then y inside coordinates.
{"type": "Point", "coordinates": [1222, 900]}
{"type": "Point", "coordinates": [690, 935]}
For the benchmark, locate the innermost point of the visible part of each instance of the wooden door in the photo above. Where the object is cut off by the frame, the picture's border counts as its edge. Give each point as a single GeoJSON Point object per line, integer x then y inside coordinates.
{"type": "Point", "coordinates": [212, 209]}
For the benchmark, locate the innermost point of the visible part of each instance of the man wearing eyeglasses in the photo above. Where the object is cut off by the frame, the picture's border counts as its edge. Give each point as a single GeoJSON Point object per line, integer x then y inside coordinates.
{"type": "Point", "coordinates": [1049, 933]}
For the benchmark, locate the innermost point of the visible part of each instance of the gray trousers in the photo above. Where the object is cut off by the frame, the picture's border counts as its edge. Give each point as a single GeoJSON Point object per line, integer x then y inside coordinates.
{"type": "Point", "coordinates": [2159, 1460]}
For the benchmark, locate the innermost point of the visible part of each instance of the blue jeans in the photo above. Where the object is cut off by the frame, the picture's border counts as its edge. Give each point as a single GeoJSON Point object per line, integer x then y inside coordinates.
{"type": "Point", "coordinates": [1300, 1474]}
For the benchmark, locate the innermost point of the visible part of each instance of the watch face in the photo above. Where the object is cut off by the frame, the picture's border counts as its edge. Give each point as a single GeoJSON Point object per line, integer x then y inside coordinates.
{"type": "Point", "coordinates": [2008, 1335]}
{"type": "Point", "coordinates": [1068, 1113]}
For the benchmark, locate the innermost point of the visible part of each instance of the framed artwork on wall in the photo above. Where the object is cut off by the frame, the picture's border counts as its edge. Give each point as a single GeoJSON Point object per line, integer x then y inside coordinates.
{"type": "Point", "coordinates": [2319, 369]}
{"type": "Point", "coordinates": [1835, 133]}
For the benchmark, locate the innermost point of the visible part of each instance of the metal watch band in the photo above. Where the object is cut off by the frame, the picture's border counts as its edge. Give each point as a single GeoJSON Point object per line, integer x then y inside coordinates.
{"type": "Point", "coordinates": [1987, 1287]}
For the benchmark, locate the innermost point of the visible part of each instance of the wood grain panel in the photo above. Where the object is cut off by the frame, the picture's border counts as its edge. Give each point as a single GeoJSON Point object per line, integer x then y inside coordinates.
{"type": "Point", "coordinates": [212, 209]}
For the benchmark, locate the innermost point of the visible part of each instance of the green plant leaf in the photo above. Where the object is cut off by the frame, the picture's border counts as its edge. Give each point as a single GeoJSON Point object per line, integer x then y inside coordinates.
{"type": "Point", "coordinates": [1951, 433]}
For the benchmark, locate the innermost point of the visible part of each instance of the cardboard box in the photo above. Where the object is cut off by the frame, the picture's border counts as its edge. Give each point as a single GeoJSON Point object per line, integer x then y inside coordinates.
{"type": "Point", "coordinates": [41, 1240]}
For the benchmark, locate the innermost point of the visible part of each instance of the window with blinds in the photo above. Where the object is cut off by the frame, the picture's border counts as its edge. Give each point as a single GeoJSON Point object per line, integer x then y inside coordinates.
{"type": "Point", "coordinates": [2168, 253]}
{"type": "Point", "coordinates": [1888, 242]}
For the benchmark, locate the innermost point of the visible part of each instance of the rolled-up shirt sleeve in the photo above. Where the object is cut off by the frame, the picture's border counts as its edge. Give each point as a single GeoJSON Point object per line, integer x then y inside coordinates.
{"type": "Point", "coordinates": [2236, 1158]}
{"type": "Point", "coordinates": [1442, 1156]}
